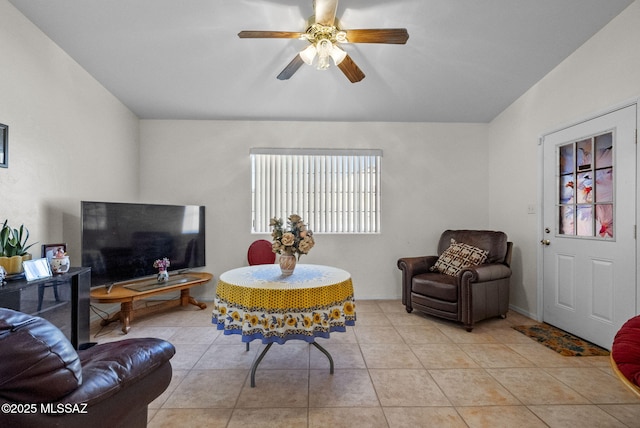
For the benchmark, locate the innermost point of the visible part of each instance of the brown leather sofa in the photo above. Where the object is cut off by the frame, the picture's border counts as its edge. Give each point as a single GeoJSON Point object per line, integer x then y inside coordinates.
{"type": "Point", "coordinates": [45, 382]}
{"type": "Point", "coordinates": [475, 293]}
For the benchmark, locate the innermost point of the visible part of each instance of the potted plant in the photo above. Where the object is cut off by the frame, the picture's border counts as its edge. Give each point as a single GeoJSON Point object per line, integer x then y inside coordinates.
{"type": "Point", "coordinates": [13, 248]}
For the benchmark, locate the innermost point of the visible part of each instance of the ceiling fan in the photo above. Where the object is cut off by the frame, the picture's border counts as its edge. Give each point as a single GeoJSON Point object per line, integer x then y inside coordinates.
{"type": "Point", "coordinates": [324, 36]}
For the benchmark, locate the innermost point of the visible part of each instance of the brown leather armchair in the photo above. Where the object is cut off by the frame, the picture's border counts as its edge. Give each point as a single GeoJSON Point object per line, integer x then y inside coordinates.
{"type": "Point", "coordinates": [45, 382]}
{"type": "Point", "coordinates": [475, 293]}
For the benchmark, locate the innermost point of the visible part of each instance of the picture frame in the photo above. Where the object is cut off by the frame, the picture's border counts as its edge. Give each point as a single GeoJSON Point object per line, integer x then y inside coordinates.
{"type": "Point", "coordinates": [36, 269]}
{"type": "Point", "coordinates": [49, 250]}
{"type": "Point", "coordinates": [4, 146]}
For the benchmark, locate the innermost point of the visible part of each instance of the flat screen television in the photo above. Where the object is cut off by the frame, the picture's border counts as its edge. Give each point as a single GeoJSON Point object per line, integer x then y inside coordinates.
{"type": "Point", "coordinates": [121, 241]}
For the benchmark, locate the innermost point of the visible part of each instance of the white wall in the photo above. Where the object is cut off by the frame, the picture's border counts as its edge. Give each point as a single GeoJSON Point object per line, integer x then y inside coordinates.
{"type": "Point", "coordinates": [69, 139]}
{"type": "Point", "coordinates": [603, 73]}
{"type": "Point", "coordinates": [433, 177]}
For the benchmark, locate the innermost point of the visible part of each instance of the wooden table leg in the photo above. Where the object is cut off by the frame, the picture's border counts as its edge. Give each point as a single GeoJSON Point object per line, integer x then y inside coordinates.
{"type": "Point", "coordinates": [186, 299]}
{"type": "Point", "coordinates": [126, 316]}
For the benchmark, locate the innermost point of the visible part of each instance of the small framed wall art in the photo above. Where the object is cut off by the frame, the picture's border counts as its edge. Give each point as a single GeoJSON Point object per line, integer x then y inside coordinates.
{"type": "Point", "coordinates": [4, 146]}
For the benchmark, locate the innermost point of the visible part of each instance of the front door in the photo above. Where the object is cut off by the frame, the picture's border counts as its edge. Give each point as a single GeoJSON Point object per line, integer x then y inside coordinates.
{"type": "Point", "coordinates": [589, 202]}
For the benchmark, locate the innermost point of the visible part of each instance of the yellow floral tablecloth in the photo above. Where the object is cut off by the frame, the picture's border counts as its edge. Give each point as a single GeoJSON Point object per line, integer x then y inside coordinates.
{"type": "Point", "coordinates": [257, 302]}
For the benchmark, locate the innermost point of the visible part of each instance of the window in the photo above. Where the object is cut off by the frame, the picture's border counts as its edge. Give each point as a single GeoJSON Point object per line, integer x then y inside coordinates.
{"type": "Point", "coordinates": [334, 191]}
{"type": "Point", "coordinates": [585, 187]}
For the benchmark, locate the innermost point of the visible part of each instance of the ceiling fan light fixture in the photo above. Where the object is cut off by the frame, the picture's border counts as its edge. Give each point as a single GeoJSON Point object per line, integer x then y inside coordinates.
{"type": "Point", "coordinates": [338, 55]}
{"type": "Point", "coordinates": [309, 54]}
{"type": "Point", "coordinates": [324, 50]}
{"type": "Point", "coordinates": [323, 63]}
{"type": "Point", "coordinates": [324, 47]}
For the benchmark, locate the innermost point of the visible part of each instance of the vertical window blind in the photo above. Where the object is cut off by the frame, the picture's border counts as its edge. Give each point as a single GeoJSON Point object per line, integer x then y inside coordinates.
{"type": "Point", "coordinates": [333, 190]}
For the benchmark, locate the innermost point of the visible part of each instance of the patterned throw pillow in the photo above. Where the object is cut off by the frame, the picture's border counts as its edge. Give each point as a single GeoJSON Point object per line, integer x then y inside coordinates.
{"type": "Point", "coordinates": [459, 256]}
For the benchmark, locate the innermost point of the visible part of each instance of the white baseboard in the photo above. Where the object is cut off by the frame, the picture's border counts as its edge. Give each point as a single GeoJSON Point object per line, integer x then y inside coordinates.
{"type": "Point", "coordinates": [523, 312]}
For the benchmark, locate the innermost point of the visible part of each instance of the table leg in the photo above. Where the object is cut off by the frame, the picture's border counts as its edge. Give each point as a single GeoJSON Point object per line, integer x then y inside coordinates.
{"type": "Point", "coordinates": [255, 365]}
{"type": "Point", "coordinates": [126, 316]}
{"type": "Point", "coordinates": [325, 352]}
{"type": "Point", "coordinates": [266, 349]}
{"type": "Point", "coordinates": [186, 299]}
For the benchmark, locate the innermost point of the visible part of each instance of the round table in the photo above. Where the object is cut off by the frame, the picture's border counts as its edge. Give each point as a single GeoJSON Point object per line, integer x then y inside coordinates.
{"type": "Point", "coordinates": [258, 302]}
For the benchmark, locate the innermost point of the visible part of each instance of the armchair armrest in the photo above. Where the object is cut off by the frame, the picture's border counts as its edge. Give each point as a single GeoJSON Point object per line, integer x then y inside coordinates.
{"type": "Point", "coordinates": [484, 273]}
{"type": "Point", "coordinates": [411, 266]}
{"type": "Point", "coordinates": [416, 265]}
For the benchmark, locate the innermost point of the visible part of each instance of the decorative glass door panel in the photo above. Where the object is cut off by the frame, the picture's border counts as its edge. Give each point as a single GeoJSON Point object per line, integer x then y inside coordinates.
{"type": "Point", "coordinates": [585, 187]}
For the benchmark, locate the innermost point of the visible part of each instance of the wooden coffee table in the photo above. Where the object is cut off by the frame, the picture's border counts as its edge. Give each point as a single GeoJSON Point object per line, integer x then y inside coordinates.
{"type": "Point", "coordinates": [126, 293]}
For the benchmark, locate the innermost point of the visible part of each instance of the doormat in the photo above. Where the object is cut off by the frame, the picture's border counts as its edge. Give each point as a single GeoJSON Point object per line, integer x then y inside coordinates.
{"type": "Point", "coordinates": [560, 341]}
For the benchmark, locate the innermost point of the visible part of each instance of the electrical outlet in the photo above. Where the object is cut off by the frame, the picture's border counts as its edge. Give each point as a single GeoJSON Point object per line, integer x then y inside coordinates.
{"type": "Point", "coordinates": [531, 209]}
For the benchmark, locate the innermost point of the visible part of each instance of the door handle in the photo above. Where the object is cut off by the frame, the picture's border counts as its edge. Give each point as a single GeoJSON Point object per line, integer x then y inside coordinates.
{"type": "Point", "coordinates": [545, 242]}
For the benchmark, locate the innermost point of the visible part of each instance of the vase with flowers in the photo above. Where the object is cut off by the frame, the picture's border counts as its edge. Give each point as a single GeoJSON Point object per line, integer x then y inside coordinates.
{"type": "Point", "coordinates": [290, 241]}
{"type": "Point", "coordinates": [162, 265]}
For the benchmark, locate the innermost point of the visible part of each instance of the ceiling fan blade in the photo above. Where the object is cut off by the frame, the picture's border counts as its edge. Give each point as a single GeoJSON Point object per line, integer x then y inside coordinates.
{"type": "Point", "coordinates": [381, 35]}
{"type": "Point", "coordinates": [351, 70]}
{"type": "Point", "coordinates": [269, 35]}
{"type": "Point", "coordinates": [290, 69]}
{"type": "Point", "coordinates": [325, 11]}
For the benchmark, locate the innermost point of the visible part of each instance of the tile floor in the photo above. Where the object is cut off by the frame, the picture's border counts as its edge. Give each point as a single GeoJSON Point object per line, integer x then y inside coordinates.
{"type": "Point", "coordinates": [392, 369]}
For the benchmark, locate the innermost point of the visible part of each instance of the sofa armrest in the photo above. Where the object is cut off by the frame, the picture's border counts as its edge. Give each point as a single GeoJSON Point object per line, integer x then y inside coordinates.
{"type": "Point", "coordinates": [127, 407]}
{"type": "Point", "coordinates": [38, 363]}
{"type": "Point", "coordinates": [110, 367]}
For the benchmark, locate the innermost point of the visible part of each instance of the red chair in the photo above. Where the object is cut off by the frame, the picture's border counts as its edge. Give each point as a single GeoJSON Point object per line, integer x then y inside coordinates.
{"type": "Point", "coordinates": [260, 253]}
{"type": "Point", "coordinates": [625, 354]}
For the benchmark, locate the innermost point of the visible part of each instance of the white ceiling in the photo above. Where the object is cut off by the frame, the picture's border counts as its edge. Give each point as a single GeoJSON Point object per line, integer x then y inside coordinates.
{"type": "Point", "coordinates": [465, 61]}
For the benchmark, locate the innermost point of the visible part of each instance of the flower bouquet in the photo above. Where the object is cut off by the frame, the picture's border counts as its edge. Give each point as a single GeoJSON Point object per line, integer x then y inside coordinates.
{"type": "Point", "coordinates": [295, 239]}
{"type": "Point", "coordinates": [162, 265]}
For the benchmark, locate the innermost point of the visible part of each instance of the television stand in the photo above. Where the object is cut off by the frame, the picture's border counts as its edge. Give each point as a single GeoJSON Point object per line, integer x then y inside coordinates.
{"type": "Point", "coordinates": [62, 299]}
{"type": "Point", "coordinates": [126, 293]}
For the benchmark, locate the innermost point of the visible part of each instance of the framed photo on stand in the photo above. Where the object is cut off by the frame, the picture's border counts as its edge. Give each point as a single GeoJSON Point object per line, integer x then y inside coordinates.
{"type": "Point", "coordinates": [50, 251]}
{"type": "Point", "coordinates": [36, 269]}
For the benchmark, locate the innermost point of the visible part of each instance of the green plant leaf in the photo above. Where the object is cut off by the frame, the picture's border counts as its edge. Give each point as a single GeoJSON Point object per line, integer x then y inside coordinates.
{"type": "Point", "coordinates": [13, 242]}
{"type": "Point", "coordinates": [5, 232]}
